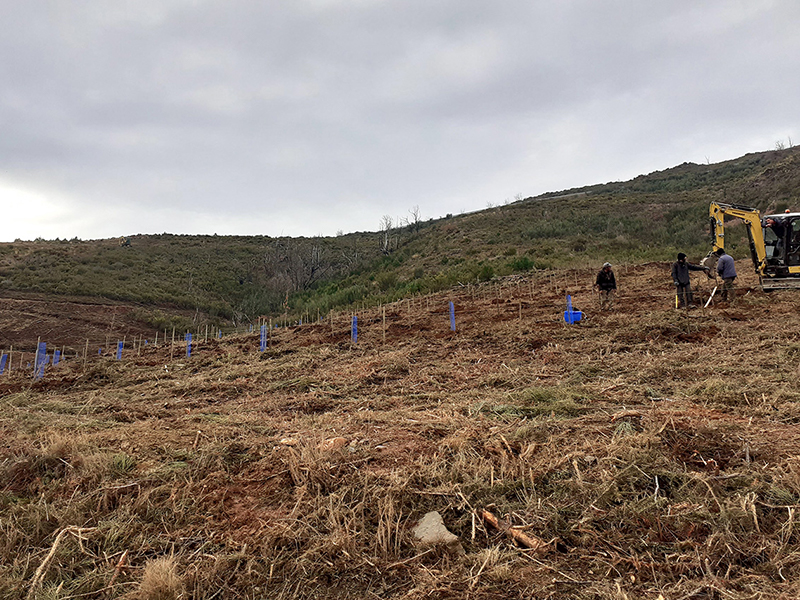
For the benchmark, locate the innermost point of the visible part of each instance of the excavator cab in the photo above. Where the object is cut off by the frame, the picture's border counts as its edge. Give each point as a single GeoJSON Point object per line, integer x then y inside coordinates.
{"type": "Point", "coordinates": [793, 242]}
{"type": "Point", "coordinates": [772, 245]}
{"type": "Point", "coordinates": [781, 241]}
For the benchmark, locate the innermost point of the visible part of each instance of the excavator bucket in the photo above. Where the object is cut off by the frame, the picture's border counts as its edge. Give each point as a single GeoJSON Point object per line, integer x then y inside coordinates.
{"type": "Point", "coordinates": [710, 261]}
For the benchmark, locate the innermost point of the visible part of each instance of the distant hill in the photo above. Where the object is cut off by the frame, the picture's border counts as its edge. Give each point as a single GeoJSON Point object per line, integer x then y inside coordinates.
{"type": "Point", "coordinates": [648, 218]}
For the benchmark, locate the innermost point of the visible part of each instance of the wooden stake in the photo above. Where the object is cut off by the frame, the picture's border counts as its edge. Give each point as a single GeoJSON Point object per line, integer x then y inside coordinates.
{"type": "Point", "coordinates": [85, 354]}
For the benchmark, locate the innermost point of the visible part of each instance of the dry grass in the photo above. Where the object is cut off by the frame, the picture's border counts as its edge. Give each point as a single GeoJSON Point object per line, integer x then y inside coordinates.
{"type": "Point", "coordinates": [655, 450]}
{"type": "Point", "coordinates": [160, 580]}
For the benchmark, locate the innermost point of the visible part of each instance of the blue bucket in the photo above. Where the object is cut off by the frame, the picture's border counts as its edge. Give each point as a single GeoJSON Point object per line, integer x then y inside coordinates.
{"type": "Point", "coordinates": [572, 316]}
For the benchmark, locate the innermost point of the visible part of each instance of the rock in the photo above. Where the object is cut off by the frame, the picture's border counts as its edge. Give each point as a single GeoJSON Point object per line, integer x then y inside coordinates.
{"type": "Point", "coordinates": [332, 444]}
{"type": "Point", "coordinates": [430, 531]}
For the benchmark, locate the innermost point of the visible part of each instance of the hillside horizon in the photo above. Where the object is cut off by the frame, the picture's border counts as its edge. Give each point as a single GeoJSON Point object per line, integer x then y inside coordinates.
{"type": "Point", "coordinates": [236, 278]}
{"type": "Point", "coordinates": [553, 194]}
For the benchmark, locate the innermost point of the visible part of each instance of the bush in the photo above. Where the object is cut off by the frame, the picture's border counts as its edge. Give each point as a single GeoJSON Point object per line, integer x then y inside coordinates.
{"type": "Point", "coordinates": [521, 264]}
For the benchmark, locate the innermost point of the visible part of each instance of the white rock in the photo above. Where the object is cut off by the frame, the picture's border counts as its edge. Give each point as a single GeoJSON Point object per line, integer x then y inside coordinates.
{"type": "Point", "coordinates": [430, 531]}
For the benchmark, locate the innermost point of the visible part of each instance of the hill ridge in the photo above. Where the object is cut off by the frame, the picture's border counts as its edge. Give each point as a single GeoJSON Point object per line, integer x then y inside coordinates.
{"type": "Point", "coordinates": [237, 278]}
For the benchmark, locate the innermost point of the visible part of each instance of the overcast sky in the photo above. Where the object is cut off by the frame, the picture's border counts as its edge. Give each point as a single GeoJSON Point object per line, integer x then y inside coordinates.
{"type": "Point", "coordinates": [307, 117]}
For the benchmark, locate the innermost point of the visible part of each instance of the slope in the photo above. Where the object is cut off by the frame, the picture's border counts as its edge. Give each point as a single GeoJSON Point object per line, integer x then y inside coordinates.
{"type": "Point", "coordinates": [647, 470]}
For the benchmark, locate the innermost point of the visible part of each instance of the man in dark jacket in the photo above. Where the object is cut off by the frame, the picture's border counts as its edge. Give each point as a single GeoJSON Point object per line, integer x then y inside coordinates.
{"type": "Point", "coordinates": [606, 285]}
{"type": "Point", "coordinates": [778, 227]}
{"type": "Point", "coordinates": [680, 277]}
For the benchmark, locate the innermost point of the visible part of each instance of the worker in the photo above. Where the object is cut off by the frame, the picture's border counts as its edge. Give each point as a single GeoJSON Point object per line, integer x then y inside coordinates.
{"type": "Point", "coordinates": [778, 227]}
{"type": "Point", "coordinates": [680, 277]}
{"type": "Point", "coordinates": [726, 269]}
{"type": "Point", "coordinates": [606, 286]}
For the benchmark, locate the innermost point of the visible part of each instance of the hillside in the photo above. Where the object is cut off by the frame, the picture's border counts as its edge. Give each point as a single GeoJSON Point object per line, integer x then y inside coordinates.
{"type": "Point", "coordinates": [646, 453]}
{"type": "Point", "coordinates": [233, 279]}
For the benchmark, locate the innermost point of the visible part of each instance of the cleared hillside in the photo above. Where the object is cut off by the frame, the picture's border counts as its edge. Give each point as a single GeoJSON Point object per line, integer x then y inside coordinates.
{"type": "Point", "coordinates": [652, 452]}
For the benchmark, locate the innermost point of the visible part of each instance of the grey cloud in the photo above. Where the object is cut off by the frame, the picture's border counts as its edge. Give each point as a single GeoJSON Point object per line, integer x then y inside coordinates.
{"type": "Point", "coordinates": [264, 108]}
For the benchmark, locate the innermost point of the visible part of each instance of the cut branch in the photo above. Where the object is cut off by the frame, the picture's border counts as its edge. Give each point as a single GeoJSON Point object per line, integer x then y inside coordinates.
{"type": "Point", "coordinates": [523, 539]}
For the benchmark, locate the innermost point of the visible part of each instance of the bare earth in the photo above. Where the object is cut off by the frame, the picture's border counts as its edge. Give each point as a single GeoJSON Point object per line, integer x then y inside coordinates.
{"type": "Point", "coordinates": [26, 318]}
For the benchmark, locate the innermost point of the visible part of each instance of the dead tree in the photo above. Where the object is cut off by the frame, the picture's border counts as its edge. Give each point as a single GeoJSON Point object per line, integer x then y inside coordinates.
{"type": "Point", "coordinates": [386, 234]}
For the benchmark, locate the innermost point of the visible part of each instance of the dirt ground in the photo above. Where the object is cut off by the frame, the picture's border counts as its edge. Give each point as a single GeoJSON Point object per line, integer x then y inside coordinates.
{"type": "Point", "coordinates": [26, 318]}
{"type": "Point", "coordinates": [648, 452]}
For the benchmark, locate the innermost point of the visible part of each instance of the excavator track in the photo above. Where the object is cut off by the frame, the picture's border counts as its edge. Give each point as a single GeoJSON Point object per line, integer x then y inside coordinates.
{"type": "Point", "coordinates": [769, 284]}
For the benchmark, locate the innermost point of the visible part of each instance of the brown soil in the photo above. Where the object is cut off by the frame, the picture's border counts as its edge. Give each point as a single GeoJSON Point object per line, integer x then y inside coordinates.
{"type": "Point", "coordinates": [26, 318]}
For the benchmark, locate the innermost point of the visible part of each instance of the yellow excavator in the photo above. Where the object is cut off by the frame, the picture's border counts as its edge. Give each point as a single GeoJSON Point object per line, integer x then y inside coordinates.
{"type": "Point", "coordinates": [774, 243]}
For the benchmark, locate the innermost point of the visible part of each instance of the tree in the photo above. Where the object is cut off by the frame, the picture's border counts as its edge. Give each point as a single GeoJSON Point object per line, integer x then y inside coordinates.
{"type": "Point", "coordinates": [386, 233]}
{"type": "Point", "coordinates": [415, 223]}
{"type": "Point", "coordinates": [291, 267]}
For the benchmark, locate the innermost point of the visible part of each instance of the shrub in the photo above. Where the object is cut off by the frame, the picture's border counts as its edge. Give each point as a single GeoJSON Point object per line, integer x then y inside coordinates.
{"type": "Point", "coordinates": [486, 273]}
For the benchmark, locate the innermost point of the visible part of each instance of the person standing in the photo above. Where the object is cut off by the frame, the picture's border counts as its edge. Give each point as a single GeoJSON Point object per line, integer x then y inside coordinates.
{"type": "Point", "coordinates": [726, 269]}
{"type": "Point", "coordinates": [680, 277]}
{"type": "Point", "coordinates": [606, 285]}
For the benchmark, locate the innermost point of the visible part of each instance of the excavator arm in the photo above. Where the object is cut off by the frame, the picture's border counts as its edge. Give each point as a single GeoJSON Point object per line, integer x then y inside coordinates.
{"type": "Point", "coordinates": [718, 211]}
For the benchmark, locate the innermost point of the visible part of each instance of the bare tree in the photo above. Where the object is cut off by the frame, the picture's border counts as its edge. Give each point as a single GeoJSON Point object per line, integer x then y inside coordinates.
{"type": "Point", "coordinates": [415, 223]}
{"type": "Point", "coordinates": [386, 233]}
{"type": "Point", "coordinates": [351, 257]}
{"type": "Point", "coordinates": [290, 266]}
